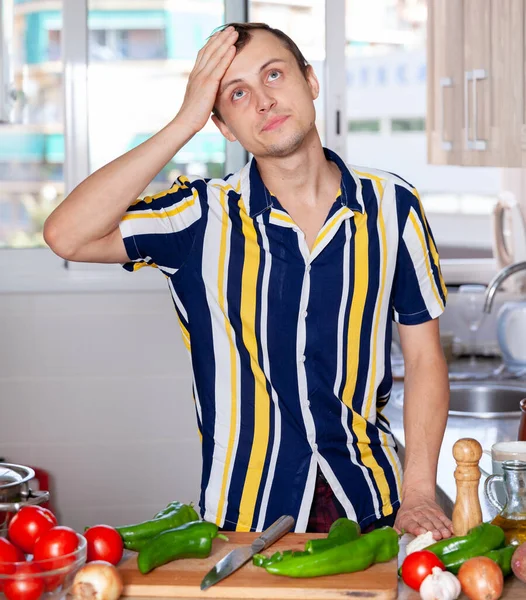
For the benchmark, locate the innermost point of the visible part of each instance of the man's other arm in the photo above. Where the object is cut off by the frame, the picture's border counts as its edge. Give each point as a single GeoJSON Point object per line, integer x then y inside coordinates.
{"type": "Point", "coordinates": [426, 404]}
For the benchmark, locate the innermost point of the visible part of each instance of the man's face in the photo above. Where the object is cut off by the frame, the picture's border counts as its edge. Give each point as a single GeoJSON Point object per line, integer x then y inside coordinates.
{"type": "Point", "coordinates": [264, 99]}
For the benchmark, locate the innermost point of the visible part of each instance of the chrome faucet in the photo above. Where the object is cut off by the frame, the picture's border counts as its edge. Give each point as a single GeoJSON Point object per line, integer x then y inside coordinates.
{"type": "Point", "coordinates": [494, 284]}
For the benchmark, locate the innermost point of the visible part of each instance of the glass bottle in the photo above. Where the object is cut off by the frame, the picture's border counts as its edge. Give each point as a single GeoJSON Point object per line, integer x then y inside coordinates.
{"type": "Point", "coordinates": [512, 516]}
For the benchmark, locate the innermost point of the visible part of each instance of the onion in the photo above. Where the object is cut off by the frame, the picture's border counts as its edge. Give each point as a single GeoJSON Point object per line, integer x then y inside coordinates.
{"type": "Point", "coordinates": [481, 579]}
{"type": "Point", "coordinates": [98, 580]}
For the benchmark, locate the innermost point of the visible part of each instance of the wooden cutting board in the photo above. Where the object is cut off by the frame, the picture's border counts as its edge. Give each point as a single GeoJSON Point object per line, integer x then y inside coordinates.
{"type": "Point", "coordinates": [182, 578]}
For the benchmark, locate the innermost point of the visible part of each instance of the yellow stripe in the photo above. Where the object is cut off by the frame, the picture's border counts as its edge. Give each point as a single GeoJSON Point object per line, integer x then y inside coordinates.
{"type": "Point", "coordinates": [328, 226]}
{"type": "Point", "coordinates": [361, 278]}
{"type": "Point", "coordinates": [261, 397]}
{"type": "Point", "coordinates": [392, 460]}
{"type": "Point", "coordinates": [432, 246]}
{"type": "Point", "coordinates": [175, 187]}
{"type": "Point", "coordinates": [233, 370]}
{"type": "Point", "coordinates": [379, 180]}
{"type": "Point", "coordinates": [361, 275]}
{"type": "Point", "coordinates": [140, 265]}
{"type": "Point", "coordinates": [184, 331]}
{"type": "Point", "coordinates": [426, 257]}
{"type": "Point", "coordinates": [274, 214]}
{"type": "Point", "coordinates": [179, 208]}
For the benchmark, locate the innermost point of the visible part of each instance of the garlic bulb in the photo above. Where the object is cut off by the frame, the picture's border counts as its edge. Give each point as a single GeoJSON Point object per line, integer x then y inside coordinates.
{"type": "Point", "coordinates": [420, 542]}
{"type": "Point", "coordinates": [440, 585]}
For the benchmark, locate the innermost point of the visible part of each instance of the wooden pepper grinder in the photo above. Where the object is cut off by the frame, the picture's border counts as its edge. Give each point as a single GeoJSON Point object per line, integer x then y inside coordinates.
{"type": "Point", "coordinates": [467, 512]}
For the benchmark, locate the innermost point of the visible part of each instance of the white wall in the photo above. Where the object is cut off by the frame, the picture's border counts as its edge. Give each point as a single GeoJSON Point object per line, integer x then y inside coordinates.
{"type": "Point", "coordinates": [96, 388]}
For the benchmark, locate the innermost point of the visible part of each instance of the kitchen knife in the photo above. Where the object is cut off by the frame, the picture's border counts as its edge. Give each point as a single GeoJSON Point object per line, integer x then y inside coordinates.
{"type": "Point", "coordinates": [239, 556]}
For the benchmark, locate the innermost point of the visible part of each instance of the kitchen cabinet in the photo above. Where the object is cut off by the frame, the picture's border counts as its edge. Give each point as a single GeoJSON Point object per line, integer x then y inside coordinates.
{"type": "Point", "coordinates": [476, 83]}
{"type": "Point", "coordinates": [445, 69]}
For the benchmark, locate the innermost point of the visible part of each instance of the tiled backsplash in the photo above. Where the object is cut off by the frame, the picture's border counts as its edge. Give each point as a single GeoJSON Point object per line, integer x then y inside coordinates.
{"type": "Point", "coordinates": [96, 389]}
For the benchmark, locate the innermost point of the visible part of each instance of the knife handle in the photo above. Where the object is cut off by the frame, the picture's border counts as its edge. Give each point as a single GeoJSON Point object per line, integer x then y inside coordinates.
{"type": "Point", "coordinates": [278, 529]}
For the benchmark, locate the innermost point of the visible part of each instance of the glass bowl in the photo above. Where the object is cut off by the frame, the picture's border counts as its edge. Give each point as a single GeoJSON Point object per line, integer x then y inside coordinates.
{"type": "Point", "coordinates": [49, 579]}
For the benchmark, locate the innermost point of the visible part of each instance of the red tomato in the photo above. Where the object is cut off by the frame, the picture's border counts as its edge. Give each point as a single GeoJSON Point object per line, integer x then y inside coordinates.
{"type": "Point", "coordinates": [29, 523]}
{"type": "Point", "coordinates": [21, 557]}
{"type": "Point", "coordinates": [56, 542]}
{"type": "Point", "coordinates": [47, 512]}
{"type": "Point", "coordinates": [8, 555]}
{"type": "Point", "coordinates": [104, 543]}
{"type": "Point", "coordinates": [28, 588]}
{"type": "Point", "coordinates": [417, 566]}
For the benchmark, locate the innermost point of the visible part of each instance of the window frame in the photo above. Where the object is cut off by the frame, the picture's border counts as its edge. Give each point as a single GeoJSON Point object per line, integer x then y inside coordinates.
{"type": "Point", "coordinates": [39, 270]}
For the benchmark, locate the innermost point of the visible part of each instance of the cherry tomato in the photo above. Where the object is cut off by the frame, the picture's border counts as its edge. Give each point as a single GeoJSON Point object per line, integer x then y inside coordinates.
{"type": "Point", "coordinates": [417, 566]}
{"type": "Point", "coordinates": [47, 512]}
{"type": "Point", "coordinates": [52, 548]}
{"type": "Point", "coordinates": [55, 542]}
{"type": "Point", "coordinates": [8, 556]}
{"type": "Point", "coordinates": [21, 557]}
{"type": "Point", "coordinates": [29, 523]}
{"type": "Point", "coordinates": [104, 543]}
{"type": "Point", "coordinates": [25, 588]}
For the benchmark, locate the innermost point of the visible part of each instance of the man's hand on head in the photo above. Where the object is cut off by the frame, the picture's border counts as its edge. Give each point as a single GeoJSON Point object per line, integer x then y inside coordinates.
{"type": "Point", "coordinates": [211, 64]}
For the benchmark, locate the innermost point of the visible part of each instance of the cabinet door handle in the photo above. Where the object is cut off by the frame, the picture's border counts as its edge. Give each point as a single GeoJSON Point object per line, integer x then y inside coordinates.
{"type": "Point", "coordinates": [444, 83]}
{"type": "Point", "coordinates": [474, 76]}
{"type": "Point", "coordinates": [467, 78]}
{"type": "Point", "coordinates": [478, 75]}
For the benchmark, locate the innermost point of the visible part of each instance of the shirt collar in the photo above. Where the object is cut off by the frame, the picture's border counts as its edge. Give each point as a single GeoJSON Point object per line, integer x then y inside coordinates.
{"type": "Point", "coordinates": [257, 198]}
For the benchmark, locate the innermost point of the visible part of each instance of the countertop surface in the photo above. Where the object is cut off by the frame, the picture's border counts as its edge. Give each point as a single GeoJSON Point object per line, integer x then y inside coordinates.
{"type": "Point", "coordinates": [485, 431]}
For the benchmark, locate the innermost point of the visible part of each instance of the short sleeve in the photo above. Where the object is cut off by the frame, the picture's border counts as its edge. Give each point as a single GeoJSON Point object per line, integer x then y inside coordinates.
{"type": "Point", "coordinates": [160, 230]}
{"type": "Point", "coordinates": [419, 292]}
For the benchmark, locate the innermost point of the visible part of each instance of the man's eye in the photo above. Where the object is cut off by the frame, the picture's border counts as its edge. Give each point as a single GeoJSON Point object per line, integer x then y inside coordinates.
{"type": "Point", "coordinates": [274, 75]}
{"type": "Point", "coordinates": [238, 94]}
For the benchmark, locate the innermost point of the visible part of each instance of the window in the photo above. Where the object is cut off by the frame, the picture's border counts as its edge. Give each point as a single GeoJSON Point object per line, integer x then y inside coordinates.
{"type": "Point", "coordinates": [31, 143]}
{"type": "Point", "coordinates": [127, 44]}
{"type": "Point", "coordinates": [139, 65]}
{"type": "Point", "coordinates": [365, 125]}
{"type": "Point", "coordinates": [415, 124]}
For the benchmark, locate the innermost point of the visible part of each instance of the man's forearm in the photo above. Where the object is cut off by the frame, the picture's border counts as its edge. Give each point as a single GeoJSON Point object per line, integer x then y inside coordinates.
{"type": "Point", "coordinates": [95, 207]}
{"type": "Point", "coordinates": [426, 404]}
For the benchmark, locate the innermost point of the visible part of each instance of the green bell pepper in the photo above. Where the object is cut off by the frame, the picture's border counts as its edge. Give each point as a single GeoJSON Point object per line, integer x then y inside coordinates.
{"type": "Point", "coordinates": [453, 552]}
{"type": "Point", "coordinates": [174, 515]}
{"type": "Point", "coordinates": [342, 530]}
{"type": "Point", "coordinates": [191, 540]}
{"type": "Point", "coordinates": [380, 545]}
{"type": "Point", "coordinates": [502, 557]}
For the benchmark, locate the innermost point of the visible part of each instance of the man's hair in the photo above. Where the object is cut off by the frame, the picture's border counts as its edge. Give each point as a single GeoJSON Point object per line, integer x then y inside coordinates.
{"type": "Point", "coordinates": [244, 31]}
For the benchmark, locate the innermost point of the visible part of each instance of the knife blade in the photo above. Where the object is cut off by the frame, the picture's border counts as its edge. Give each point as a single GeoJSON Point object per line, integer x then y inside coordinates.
{"type": "Point", "coordinates": [239, 556]}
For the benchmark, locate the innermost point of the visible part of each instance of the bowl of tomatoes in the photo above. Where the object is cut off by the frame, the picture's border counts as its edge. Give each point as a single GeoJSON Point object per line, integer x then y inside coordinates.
{"type": "Point", "coordinates": [39, 558]}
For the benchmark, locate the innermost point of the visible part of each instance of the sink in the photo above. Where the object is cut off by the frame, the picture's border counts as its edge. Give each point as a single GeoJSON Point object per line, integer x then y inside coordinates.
{"type": "Point", "coordinates": [485, 400]}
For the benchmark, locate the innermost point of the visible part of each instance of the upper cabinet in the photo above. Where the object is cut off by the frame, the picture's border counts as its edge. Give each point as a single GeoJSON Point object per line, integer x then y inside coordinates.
{"type": "Point", "coordinates": [476, 83]}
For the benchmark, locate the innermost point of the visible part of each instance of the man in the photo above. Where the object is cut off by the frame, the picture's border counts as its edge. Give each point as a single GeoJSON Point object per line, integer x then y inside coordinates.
{"type": "Point", "coordinates": [283, 277]}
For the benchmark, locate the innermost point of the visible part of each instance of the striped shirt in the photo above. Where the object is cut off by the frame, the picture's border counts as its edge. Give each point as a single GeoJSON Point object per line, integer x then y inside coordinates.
{"type": "Point", "coordinates": [289, 346]}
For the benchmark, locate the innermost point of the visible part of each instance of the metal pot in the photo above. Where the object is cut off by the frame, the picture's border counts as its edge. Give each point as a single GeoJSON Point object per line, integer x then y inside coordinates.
{"type": "Point", "coordinates": [16, 493]}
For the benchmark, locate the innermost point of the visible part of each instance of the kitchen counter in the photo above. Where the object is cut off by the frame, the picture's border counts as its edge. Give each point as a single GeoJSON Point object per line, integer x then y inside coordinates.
{"type": "Point", "coordinates": [485, 431]}
{"type": "Point", "coordinates": [513, 590]}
